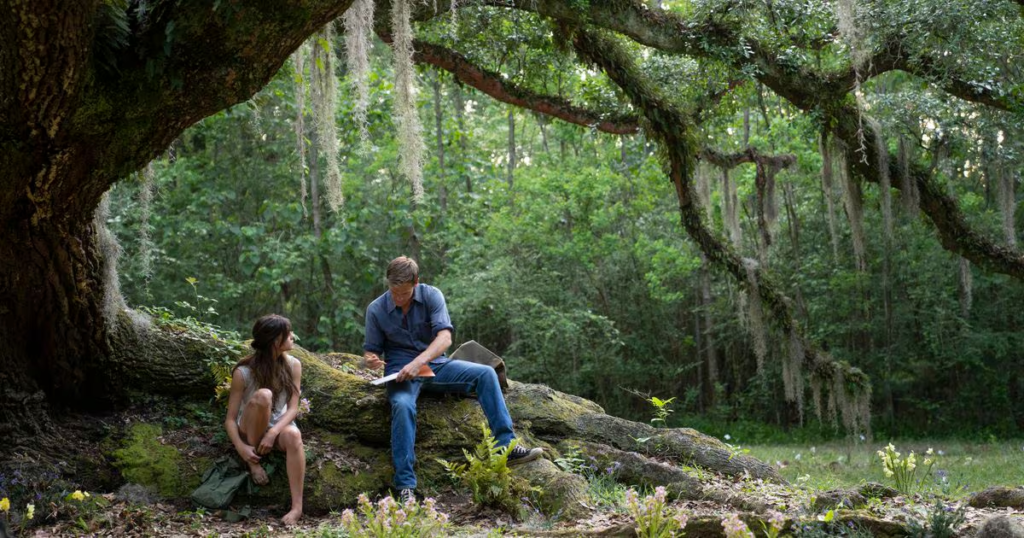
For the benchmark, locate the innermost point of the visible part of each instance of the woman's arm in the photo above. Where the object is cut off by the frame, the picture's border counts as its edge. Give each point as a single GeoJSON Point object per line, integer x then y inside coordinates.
{"type": "Point", "coordinates": [267, 443]}
{"type": "Point", "coordinates": [231, 421]}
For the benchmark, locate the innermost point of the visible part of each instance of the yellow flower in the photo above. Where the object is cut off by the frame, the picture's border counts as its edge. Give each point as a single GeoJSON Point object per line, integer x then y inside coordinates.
{"type": "Point", "coordinates": [930, 452]}
{"type": "Point", "coordinates": [927, 461]}
{"type": "Point", "coordinates": [5, 504]}
{"type": "Point", "coordinates": [30, 511]}
{"type": "Point", "coordinates": [77, 495]}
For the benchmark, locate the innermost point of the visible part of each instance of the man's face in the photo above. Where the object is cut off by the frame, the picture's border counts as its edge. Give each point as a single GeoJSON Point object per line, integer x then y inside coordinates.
{"type": "Point", "coordinates": [401, 294]}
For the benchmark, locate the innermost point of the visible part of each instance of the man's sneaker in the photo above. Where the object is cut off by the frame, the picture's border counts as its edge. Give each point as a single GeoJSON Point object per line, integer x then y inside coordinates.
{"type": "Point", "coordinates": [407, 495]}
{"type": "Point", "coordinates": [521, 454]}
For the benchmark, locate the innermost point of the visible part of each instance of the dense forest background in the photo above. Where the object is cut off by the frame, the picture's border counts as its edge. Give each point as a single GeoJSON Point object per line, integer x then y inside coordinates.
{"type": "Point", "coordinates": [560, 247]}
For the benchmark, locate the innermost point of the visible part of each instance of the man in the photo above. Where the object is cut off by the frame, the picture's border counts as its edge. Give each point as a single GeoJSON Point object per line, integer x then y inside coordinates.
{"type": "Point", "coordinates": [409, 324]}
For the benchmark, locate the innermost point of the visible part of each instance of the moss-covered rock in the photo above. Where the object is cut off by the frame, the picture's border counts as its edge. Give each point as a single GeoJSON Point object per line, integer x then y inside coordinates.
{"type": "Point", "coordinates": [144, 459]}
{"type": "Point", "coordinates": [347, 436]}
{"type": "Point", "coordinates": [998, 496]}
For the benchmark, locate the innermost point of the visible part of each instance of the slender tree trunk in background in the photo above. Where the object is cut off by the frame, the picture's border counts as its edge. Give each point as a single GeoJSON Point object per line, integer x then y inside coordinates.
{"type": "Point", "coordinates": [746, 127]}
{"type": "Point", "coordinates": [542, 124]}
{"type": "Point", "coordinates": [511, 147]}
{"type": "Point", "coordinates": [314, 183]}
{"type": "Point", "coordinates": [789, 199]}
{"type": "Point", "coordinates": [439, 128]}
{"type": "Point", "coordinates": [460, 123]}
{"type": "Point", "coordinates": [709, 346]}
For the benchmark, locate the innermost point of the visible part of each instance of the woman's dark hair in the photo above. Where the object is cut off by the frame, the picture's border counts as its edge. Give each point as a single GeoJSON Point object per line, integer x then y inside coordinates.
{"type": "Point", "coordinates": [270, 372]}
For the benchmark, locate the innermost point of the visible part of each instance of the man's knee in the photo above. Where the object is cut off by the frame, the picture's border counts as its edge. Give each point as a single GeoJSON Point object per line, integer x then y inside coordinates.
{"type": "Point", "coordinates": [403, 403]}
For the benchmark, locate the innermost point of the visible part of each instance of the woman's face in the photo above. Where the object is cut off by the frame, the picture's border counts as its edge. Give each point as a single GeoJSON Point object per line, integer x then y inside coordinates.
{"type": "Point", "coordinates": [287, 342]}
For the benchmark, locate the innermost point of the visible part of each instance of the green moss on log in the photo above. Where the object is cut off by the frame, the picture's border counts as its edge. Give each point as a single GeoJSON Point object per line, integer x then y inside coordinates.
{"type": "Point", "coordinates": [143, 459]}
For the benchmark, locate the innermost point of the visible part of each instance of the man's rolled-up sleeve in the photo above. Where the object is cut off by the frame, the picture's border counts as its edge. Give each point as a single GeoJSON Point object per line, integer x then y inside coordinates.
{"type": "Point", "coordinates": [439, 318]}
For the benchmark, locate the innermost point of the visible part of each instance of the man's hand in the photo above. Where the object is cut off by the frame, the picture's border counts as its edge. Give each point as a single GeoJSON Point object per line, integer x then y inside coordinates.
{"type": "Point", "coordinates": [373, 362]}
{"type": "Point", "coordinates": [267, 443]}
{"type": "Point", "coordinates": [410, 371]}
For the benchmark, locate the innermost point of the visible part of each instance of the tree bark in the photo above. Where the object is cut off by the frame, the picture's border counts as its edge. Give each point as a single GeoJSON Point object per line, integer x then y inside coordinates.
{"type": "Point", "coordinates": [50, 322]}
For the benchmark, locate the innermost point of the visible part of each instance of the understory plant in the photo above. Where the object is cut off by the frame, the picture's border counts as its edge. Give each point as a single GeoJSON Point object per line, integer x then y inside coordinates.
{"type": "Point", "coordinates": [487, 475]}
{"type": "Point", "coordinates": [602, 486]}
{"type": "Point", "coordinates": [904, 471]}
{"type": "Point", "coordinates": [652, 516]}
{"type": "Point", "coordinates": [941, 521]}
{"type": "Point", "coordinates": [661, 411]}
{"type": "Point", "coordinates": [388, 519]}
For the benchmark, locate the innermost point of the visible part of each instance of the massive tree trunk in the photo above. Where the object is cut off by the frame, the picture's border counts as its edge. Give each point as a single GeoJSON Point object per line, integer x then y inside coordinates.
{"type": "Point", "coordinates": [91, 93]}
{"type": "Point", "coordinates": [50, 322]}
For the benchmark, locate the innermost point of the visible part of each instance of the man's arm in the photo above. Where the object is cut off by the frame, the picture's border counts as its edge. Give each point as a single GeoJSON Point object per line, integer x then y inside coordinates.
{"type": "Point", "coordinates": [441, 343]}
{"type": "Point", "coordinates": [373, 341]}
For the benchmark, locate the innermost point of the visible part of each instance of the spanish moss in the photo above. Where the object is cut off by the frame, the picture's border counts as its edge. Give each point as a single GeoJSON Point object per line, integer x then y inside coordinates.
{"type": "Point", "coordinates": [145, 226]}
{"type": "Point", "coordinates": [358, 21]}
{"type": "Point", "coordinates": [325, 107]}
{"type": "Point", "coordinates": [884, 183]}
{"type": "Point", "coordinates": [730, 202]}
{"type": "Point", "coordinates": [828, 192]}
{"type": "Point", "coordinates": [299, 59]}
{"type": "Point", "coordinates": [853, 201]}
{"type": "Point", "coordinates": [965, 287]}
{"type": "Point", "coordinates": [755, 316]}
{"type": "Point", "coordinates": [792, 373]}
{"type": "Point", "coordinates": [110, 250]}
{"type": "Point", "coordinates": [410, 137]}
{"type": "Point", "coordinates": [908, 187]}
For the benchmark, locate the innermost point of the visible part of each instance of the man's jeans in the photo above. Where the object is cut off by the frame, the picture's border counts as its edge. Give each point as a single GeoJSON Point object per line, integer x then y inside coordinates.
{"type": "Point", "coordinates": [455, 376]}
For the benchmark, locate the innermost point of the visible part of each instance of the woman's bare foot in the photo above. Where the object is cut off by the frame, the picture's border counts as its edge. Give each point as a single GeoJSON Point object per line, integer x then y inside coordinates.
{"type": "Point", "coordinates": [259, 476]}
{"type": "Point", "coordinates": [292, 517]}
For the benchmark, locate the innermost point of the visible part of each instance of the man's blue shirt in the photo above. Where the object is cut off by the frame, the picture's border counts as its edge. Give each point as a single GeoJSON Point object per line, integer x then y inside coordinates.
{"type": "Point", "coordinates": [402, 337]}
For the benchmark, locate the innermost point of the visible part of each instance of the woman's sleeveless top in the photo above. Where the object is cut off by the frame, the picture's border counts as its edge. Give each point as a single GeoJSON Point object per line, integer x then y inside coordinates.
{"type": "Point", "coordinates": [280, 401]}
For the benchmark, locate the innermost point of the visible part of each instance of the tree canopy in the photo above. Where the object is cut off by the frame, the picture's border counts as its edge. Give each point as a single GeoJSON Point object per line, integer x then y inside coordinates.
{"type": "Point", "coordinates": [916, 103]}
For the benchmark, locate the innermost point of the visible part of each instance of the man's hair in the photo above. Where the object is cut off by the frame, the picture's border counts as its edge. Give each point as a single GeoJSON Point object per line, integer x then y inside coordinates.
{"type": "Point", "coordinates": [402, 270]}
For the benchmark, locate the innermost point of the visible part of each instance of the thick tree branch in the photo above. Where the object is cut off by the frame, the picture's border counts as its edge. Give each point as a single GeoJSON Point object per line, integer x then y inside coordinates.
{"type": "Point", "coordinates": [750, 155]}
{"type": "Point", "coordinates": [493, 85]}
{"type": "Point", "coordinates": [894, 56]}
{"type": "Point", "coordinates": [670, 127]}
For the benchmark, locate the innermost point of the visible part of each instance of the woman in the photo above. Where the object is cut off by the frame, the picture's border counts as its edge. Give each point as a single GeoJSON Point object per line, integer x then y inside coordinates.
{"type": "Point", "coordinates": [263, 403]}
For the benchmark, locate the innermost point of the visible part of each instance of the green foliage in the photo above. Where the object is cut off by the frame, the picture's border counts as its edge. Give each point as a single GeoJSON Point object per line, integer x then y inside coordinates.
{"type": "Point", "coordinates": [579, 274]}
{"type": "Point", "coordinates": [941, 521]}
{"type": "Point", "coordinates": [487, 475]}
{"type": "Point", "coordinates": [661, 410]}
{"type": "Point", "coordinates": [389, 519]}
{"type": "Point", "coordinates": [652, 517]}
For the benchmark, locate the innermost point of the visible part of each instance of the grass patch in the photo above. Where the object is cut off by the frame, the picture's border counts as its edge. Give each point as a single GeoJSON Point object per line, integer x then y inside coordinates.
{"type": "Point", "coordinates": [962, 467]}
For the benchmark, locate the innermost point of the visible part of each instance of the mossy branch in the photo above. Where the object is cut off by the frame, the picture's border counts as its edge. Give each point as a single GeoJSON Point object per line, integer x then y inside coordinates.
{"type": "Point", "coordinates": [672, 128]}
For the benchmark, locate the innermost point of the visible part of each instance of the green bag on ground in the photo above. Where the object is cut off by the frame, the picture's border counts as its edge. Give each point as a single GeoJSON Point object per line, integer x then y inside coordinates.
{"type": "Point", "coordinates": [222, 481]}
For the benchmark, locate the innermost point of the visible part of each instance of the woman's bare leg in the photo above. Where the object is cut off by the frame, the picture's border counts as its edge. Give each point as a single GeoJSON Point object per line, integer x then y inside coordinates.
{"type": "Point", "coordinates": [255, 422]}
{"type": "Point", "coordinates": [290, 441]}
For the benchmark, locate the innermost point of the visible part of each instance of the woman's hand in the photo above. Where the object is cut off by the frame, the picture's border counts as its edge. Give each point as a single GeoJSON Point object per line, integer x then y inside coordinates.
{"type": "Point", "coordinates": [248, 454]}
{"type": "Point", "coordinates": [267, 443]}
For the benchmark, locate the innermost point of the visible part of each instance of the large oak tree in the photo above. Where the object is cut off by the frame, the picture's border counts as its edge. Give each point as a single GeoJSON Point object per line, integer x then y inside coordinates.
{"type": "Point", "coordinates": [93, 90]}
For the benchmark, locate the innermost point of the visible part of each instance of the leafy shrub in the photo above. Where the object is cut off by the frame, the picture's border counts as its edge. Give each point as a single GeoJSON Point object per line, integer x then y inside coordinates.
{"type": "Point", "coordinates": [653, 518]}
{"type": "Point", "coordinates": [388, 519]}
{"type": "Point", "coordinates": [487, 475]}
{"type": "Point", "coordinates": [940, 522]}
